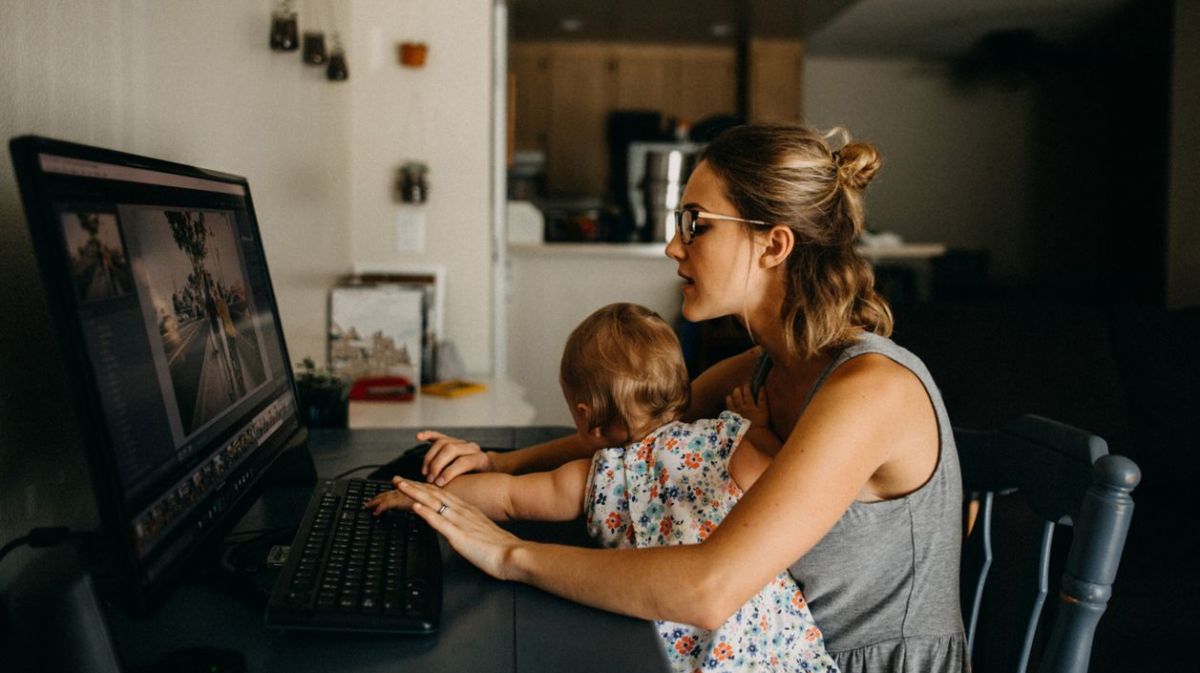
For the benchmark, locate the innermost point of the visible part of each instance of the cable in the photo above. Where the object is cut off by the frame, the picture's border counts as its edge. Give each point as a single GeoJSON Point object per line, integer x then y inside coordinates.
{"type": "Point", "coordinates": [37, 538]}
{"type": "Point", "coordinates": [356, 469]}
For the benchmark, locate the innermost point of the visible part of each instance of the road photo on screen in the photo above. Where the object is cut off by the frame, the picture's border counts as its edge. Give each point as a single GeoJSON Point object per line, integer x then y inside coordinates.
{"type": "Point", "coordinates": [206, 323]}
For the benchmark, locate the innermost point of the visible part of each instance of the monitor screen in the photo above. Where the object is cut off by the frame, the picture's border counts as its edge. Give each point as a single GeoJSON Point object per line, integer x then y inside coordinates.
{"type": "Point", "coordinates": [156, 277]}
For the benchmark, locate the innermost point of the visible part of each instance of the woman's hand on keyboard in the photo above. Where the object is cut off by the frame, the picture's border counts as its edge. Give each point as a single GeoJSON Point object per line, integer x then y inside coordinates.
{"type": "Point", "coordinates": [389, 500]}
{"type": "Point", "coordinates": [476, 537]}
{"type": "Point", "coordinates": [449, 457]}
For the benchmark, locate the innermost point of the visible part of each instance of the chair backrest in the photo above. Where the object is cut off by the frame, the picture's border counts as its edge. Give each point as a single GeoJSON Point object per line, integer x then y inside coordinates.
{"type": "Point", "coordinates": [1067, 477]}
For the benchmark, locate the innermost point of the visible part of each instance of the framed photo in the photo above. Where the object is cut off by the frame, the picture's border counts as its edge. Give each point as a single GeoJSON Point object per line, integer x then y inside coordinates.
{"type": "Point", "coordinates": [431, 281]}
{"type": "Point", "coordinates": [376, 330]}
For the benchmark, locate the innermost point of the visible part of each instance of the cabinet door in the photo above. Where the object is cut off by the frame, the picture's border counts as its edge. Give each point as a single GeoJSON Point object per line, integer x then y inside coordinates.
{"type": "Point", "coordinates": [529, 66]}
{"type": "Point", "coordinates": [645, 78]}
{"type": "Point", "coordinates": [581, 94]}
{"type": "Point", "coordinates": [776, 72]}
{"type": "Point", "coordinates": [706, 83]}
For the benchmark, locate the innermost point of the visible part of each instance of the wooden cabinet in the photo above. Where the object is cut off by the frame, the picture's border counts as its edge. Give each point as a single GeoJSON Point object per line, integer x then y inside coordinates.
{"type": "Point", "coordinates": [565, 90]}
{"type": "Point", "coordinates": [776, 79]}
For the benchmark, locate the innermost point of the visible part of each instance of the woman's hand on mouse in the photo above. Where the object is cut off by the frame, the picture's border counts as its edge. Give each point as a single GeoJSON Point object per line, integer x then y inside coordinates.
{"type": "Point", "coordinates": [389, 500]}
{"type": "Point", "coordinates": [449, 457]}
{"type": "Point", "coordinates": [476, 537]}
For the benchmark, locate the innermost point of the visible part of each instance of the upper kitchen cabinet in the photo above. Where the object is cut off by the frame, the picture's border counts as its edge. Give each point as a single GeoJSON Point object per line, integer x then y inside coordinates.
{"type": "Point", "coordinates": [565, 92]}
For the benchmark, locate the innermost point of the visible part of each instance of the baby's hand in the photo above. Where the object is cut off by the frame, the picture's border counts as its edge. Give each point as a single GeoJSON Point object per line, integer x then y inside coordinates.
{"type": "Point", "coordinates": [390, 500]}
{"type": "Point", "coordinates": [742, 403]}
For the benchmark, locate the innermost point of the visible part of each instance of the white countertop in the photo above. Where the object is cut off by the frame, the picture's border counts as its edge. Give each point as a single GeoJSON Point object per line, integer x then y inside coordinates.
{"type": "Point", "coordinates": [874, 253]}
{"type": "Point", "coordinates": [503, 403]}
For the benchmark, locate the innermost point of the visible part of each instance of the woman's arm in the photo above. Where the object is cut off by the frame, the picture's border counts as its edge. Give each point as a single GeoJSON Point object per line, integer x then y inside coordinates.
{"type": "Point", "coordinates": [842, 440]}
{"type": "Point", "coordinates": [448, 457]}
{"type": "Point", "coordinates": [710, 389]}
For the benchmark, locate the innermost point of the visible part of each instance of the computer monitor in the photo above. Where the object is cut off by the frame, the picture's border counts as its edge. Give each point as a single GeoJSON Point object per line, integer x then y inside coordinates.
{"type": "Point", "coordinates": [156, 278]}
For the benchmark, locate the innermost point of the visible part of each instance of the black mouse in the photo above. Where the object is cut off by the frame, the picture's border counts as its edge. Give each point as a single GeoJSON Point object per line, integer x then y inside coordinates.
{"type": "Point", "coordinates": [202, 660]}
{"type": "Point", "coordinates": [407, 465]}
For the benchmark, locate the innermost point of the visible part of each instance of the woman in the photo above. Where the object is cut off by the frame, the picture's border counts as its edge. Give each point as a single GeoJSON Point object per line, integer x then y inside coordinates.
{"type": "Point", "coordinates": [863, 499]}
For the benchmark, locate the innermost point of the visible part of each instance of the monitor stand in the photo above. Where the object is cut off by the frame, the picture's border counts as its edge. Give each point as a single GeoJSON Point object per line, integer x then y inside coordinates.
{"type": "Point", "coordinates": [294, 466]}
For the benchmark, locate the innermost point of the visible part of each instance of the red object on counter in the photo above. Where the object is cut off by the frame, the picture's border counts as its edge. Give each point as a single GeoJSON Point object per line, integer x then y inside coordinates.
{"type": "Point", "coordinates": [383, 389]}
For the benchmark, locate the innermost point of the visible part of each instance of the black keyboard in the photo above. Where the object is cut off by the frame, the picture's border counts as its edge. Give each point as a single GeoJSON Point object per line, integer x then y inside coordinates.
{"type": "Point", "coordinates": [350, 570]}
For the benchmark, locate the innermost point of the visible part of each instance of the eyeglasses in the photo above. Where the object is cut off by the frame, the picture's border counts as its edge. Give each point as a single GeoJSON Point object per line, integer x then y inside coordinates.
{"type": "Point", "coordinates": [687, 222]}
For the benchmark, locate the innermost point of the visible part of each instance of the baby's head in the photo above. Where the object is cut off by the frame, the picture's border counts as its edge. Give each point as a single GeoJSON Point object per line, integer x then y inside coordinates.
{"type": "Point", "coordinates": [623, 374]}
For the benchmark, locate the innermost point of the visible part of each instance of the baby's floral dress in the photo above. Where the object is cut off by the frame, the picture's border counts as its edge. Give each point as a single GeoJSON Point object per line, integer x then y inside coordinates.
{"type": "Point", "coordinates": [674, 488]}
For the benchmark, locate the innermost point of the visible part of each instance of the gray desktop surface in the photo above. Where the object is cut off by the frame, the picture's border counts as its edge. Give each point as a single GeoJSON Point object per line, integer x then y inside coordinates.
{"type": "Point", "coordinates": [487, 625]}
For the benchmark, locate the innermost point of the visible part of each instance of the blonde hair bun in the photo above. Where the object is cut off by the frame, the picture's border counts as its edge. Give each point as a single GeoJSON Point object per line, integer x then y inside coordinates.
{"type": "Point", "coordinates": [857, 164]}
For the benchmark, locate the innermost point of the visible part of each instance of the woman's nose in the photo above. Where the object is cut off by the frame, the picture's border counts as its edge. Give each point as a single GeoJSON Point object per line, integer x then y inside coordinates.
{"type": "Point", "coordinates": [675, 248]}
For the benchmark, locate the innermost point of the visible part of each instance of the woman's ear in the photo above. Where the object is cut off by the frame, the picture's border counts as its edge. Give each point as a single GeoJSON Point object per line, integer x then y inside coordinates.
{"type": "Point", "coordinates": [778, 244]}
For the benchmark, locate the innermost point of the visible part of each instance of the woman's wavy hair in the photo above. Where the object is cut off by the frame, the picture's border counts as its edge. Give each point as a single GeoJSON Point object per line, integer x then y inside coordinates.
{"type": "Point", "coordinates": [624, 362]}
{"type": "Point", "coordinates": [789, 175]}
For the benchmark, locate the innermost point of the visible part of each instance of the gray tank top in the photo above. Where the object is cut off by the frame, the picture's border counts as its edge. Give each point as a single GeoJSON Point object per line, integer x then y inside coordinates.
{"type": "Point", "coordinates": [883, 583]}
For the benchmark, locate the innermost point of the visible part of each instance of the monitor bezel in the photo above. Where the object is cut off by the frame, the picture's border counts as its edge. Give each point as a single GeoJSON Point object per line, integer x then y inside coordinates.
{"type": "Point", "coordinates": [143, 594]}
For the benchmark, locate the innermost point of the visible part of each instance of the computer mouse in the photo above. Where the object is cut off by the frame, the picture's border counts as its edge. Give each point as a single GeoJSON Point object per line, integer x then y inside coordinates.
{"type": "Point", "coordinates": [407, 465]}
{"type": "Point", "coordinates": [203, 660]}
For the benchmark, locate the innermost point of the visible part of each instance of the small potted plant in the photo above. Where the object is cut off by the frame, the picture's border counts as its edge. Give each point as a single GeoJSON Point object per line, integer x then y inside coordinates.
{"type": "Point", "coordinates": [324, 398]}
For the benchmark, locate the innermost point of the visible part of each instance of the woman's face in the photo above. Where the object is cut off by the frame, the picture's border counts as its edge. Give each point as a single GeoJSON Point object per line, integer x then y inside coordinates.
{"type": "Point", "coordinates": [715, 266]}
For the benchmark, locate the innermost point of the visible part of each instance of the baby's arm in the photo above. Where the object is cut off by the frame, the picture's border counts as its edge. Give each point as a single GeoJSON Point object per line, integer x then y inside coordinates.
{"type": "Point", "coordinates": [742, 403]}
{"type": "Point", "coordinates": [540, 496]}
{"type": "Point", "coordinates": [747, 463]}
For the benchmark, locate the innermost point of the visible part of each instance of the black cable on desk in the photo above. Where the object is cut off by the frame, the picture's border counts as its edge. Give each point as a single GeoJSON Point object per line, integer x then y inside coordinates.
{"type": "Point", "coordinates": [356, 469]}
{"type": "Point", "coordinates": [37, 538]}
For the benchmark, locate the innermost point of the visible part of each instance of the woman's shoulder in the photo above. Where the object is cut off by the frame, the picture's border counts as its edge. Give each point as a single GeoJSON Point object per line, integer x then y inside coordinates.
{"type": "Point", "coordinates": [874, 372]}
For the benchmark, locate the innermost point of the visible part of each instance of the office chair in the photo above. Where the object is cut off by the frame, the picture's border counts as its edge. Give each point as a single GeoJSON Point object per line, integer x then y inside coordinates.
{"type": "Point", "coordinates": [1067, 477]}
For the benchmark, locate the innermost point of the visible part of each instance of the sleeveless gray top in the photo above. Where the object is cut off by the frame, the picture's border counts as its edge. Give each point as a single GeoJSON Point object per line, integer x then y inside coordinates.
{"type": "Point", "coordinates": [883, 582]}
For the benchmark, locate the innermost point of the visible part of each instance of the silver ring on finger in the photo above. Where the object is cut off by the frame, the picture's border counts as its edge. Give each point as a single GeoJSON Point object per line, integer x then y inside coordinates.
{"type": "Point", "coordinates": [445, 506]}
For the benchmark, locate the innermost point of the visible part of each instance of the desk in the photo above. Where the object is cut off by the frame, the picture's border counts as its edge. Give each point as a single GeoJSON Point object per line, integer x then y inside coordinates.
{"type": "Point", "coordinates": [487, 625]}
{"type": "Point", "coordinates": [503, 403]}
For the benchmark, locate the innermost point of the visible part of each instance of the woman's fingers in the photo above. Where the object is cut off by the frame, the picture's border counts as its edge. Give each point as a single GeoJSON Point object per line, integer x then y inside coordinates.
{"type": "Point", "coordinates": [474, 536]}
{"type": "Point", "coordinates": [438, 444]}
{"type": "Point", "coordinates": [453, 459]}
{"type": "Point", "coordinates": [467, 462]}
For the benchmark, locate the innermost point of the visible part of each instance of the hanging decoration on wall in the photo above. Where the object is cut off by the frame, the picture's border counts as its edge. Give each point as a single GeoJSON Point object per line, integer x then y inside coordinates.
{"type": "Point", "coordinates": [412, 54]}
{"type": "Point", "coordinates": [337, 70]}
{"type": "Point", "coordinates": [284, 27]}
{"type": "Point", "coordinates": [313, 50]}
{"type": "Point", "coordinates": [314, 47]}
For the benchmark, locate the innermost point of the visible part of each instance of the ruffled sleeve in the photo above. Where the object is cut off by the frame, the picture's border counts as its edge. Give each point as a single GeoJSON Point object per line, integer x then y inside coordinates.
{"type": "Point", "coordinates": [607, 498]}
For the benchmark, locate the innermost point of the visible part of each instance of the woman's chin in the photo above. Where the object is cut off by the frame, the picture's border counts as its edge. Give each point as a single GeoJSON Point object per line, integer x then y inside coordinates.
{"type": "Point", "coordinates": [692, 311]}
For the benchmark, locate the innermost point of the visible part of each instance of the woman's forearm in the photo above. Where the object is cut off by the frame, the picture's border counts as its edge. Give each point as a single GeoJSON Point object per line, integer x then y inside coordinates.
{"type": "Point", "coordinates": [540, 457]}
{"type": "Point", "coordinates": [681, 583]}
{"type": "Point", "coordinates": [489, 491]}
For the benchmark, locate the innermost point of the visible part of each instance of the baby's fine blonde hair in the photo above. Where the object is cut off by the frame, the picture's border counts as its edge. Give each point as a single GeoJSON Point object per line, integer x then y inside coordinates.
{"type": "Point", "coordinates": [625, 363]}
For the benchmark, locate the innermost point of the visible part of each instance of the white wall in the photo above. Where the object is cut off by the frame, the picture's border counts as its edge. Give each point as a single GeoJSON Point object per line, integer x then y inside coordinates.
{"type": "Point", "coordinates": [441, 115]}
{"type": "Point", "coordinates": [195, 82]}
{"type": "Point", "coordinates": [552, 290]}
{"type": "Point", "coordinates": [957, 165]}
{"type": "Point", "coordinates": [1183, 218]}
{"type": "Point", "coordinates": [192, 82]}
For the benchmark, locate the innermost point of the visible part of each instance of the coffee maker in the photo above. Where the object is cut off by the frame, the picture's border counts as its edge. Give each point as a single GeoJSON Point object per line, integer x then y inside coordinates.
{"type": "Point", "coordinates": [658, 172]}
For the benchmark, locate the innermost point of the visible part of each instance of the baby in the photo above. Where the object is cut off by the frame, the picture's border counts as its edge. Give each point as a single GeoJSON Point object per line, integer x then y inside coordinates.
{"type": "Point", "coordinates": [654, 481]}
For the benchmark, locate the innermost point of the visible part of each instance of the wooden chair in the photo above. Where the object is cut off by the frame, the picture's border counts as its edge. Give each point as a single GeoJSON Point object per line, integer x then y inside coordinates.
{"type": "Point", "coordinates": [1067, 477]}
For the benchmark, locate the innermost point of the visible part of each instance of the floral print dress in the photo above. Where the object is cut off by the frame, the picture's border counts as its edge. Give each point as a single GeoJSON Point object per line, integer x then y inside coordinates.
{"type": "Point", "coordinates": [674, 488]}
